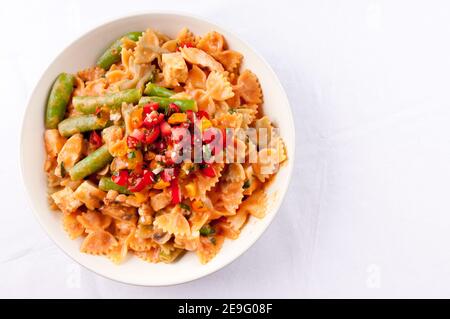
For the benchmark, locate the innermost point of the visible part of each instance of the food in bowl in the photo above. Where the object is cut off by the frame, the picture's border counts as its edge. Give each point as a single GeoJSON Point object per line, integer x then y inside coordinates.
{"type": "Point", "coordinates": [160, 148]}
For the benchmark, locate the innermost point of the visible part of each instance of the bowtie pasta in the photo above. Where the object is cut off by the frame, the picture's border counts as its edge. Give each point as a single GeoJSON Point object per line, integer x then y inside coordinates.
{"type": "Point", "coordinates": [159, 149]}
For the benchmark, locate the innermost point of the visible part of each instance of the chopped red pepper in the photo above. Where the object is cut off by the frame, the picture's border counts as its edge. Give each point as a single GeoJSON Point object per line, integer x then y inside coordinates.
{"type": "Point", "coordinates": [95, 139]}
{"type": "Point", "coordinates": [138, 183]}
{"type": "Point", "coordinates": [151, 135]}
{"type": "Point", "coordinates": [138, 134]}
{"type": "Point", "coordinates": [166, 129]}
{"type": "Point", "coordinates": [160, 146]}
{"type": "Point", "coordinates": [152, 119]}
{"type": "Point", "coordinates": [132, 142]}
{"type": "Point", "coordinates": [207, 170]}
{"type": "Point", "coordinates": [176, 194]}
{"type": "Point", "coordinates": [201, 114]}
{"type": "Point", "coordinates": [148, 108]}
{"type": "Point", "coordinates": [190, 115]}
{"type": "Point", "coordinates": [120, 178]}
{"type": "Point", "coordinates": [173, 108]}
{"type": "Point", "coordinates": [168, 159]}
{"type": "Point", "coordinates": [168, 174]}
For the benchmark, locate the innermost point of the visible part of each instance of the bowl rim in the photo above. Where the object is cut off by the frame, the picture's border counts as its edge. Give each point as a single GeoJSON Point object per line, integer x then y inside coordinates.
{"type": "Point", "coordinates": [269, 219]}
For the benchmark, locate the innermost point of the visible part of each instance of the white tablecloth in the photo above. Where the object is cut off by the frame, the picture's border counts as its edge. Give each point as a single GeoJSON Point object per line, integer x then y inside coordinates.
{"type": "Point", "coordinates": [368, 210]}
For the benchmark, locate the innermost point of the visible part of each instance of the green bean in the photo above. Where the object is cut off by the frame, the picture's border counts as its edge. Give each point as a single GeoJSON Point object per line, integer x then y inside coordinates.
{"type": "Point", "coordinates": [89, 104]}
{"type": "Point", "coordinates": [164, 102]}
{"type": "Point", "coordinates": [106, 184]}
{"type": "Point", "coordinates": [91, 163]}
{"type": "Point", "coordinates": [80, 124]}
{"type": "Point", "coordinates": [58, 99]}
{"type": "Point", "coordinates": [112, 54]}
{"type": "Point", "coordinates": [152, 89]}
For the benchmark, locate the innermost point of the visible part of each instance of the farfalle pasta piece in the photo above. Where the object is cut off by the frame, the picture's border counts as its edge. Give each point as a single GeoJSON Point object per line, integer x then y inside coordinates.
{"type": "Point", "coordinates": [227, 196]}
{"type": "Point", "coordinates": [141, 244]}
{"type": "Point", "coordinates": [175, 70]}
{"type": "Point", "coordinates": [238, 220]}
{"type": "Point", "coordinates": [226, 229]}
{"type": "Point", "coordinates": [212, 43]}
{"type": "Point", "coordinates": [229, 59]}
{"type": "Point", "coordinates": [218, 87]}
{"type": "Point", "coordinates": [173, 223]}
{"type": "Point", "coordinates": [99, 242]}
{"type": "Point", "coordinates": [118, 254]}
{"type": "Point", "coordinates": [199, 57]}
{"type": "Point", "coordinates": [93, 221]}
{"type": "Point", "coordinates": [151, 255]}
{"type": "Point", "coordinates": [203, 100]}
{"type": "Point", "coordinates": [227, 120]}
{"type": "Point", "coordinates": [130, 74]}
{"type": "Point", "coordinates": [255, 204]}
{"type": "Point", "coordinates": [204, 183]}
{"type": "Point", "coordinates": [121, 212]}
{"type": "Point", "coordinates": [267, 164]}
{"type": "Point", "coordinates": [170, 256]}
{"type": "Point", "coordinates": [147, 48]}
{"type": "Point", "coordinates": [91, 74]}
{"type": "Point", "coordinates": [96, 87]}
{"type": "Point", "coordinates": [72, 226]}
{"type": "Point", "coordinates": [186, 37]}
{"type": "Point", "coordinates": [235, 173]}
{"type": "Point", "coordinates": [170, 46]}
{"type": "Point", "coordinates": [123, 229]}
{"type": "Point", "coordinates": [248, 116]}
{"type": "Point", "coordinates": [189, 243]}
{"type": "Point", "coordinates": [248, 88]}
{"type": "Point", "coordinates": [209, 247]}
{"type": "Point", "coordinates": [198, 219]}
{"type": "Point", "coordinates": [196, 78]}
{"type": "Point", "coordinates": [252, 181]}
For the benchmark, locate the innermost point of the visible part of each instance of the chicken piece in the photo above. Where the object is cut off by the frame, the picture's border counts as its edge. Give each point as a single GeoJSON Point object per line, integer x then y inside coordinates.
{"type": "Point", "coordinates": [174, 69]}
{"type": "Point", "coordinates": [54, 142]}
{"type": "Point", "coordinates": [70, 154]}
{"type": "Point", "coordinates": [66, 201]}
{"type": "Point", "coordinates": [89, 195]}
{"type": "Point", "coordinates": [161, 200]}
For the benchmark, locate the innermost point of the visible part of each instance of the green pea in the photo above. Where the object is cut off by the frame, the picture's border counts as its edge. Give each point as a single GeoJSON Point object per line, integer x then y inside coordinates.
{"type": "Point", "coordinates": [80, 124]}
{"type": "Point", "coordinates": [92, 163]}
{"type": "Point", "coordinates": [58, 99]}
{"type": "Point", "coordinates": [89, 104]}
{"type": "Point", "coordinates": [152, 89]}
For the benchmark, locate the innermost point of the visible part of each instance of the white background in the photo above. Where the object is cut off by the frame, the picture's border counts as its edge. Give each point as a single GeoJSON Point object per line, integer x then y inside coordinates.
{"type": "Point", "coordinates": [368, 210]}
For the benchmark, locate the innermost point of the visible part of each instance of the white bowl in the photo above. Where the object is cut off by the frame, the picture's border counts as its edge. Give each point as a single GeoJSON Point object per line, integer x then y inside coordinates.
{"type": "Point", "coordinates": [83, 53]}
